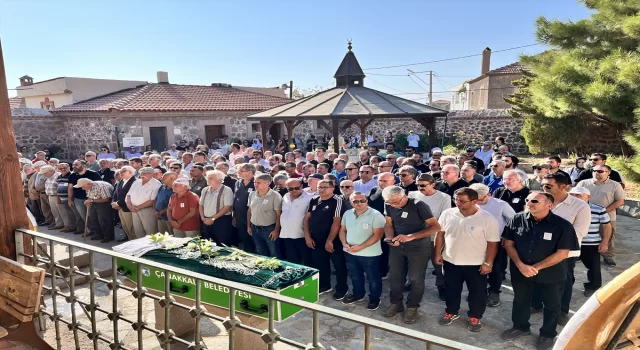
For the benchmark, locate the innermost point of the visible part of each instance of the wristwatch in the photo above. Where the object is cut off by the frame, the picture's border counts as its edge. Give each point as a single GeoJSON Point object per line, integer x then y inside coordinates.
{"type": "Point", "coordinates": [490, 265]}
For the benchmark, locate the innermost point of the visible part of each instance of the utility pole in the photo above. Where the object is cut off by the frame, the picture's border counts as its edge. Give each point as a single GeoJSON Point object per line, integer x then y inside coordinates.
{"type": "Point", "coordinates": [430, 88]}
{"type": "Point", "coordinates": [13, 212]}
{"type": "Point", "coordinates": [291, 89]}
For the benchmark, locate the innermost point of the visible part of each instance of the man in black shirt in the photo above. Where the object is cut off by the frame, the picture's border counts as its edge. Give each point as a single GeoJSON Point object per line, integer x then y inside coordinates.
{"type": "Point", "coordinates": [77, 196]}
{"type": "Point", "coordinates": [450, 181]}
{"type": "Point", "coordinates": [244, 186]}
{"type": "Point", "coordinates": [320, 155]}
{"type": "Point", "coordinates": [538, 243]}
{"type": "Point", "coordinates": [513, 191]}
{"type": "Point", "coordinates": [106, 173]}
{"type": "Point", "coordinates": [409, 223]}
{"type": "Point", "coordinates": [599, 159]}
{"type": "Point", "coordinates": [321, 228]}
{"type": "Point", "coordinates": [471, 154]}
{"type": "Point", "coordinates": [420, 166]}
{"type": "Point", "coordinates": [408, 175]}
{"type": "Point", "coordinates": [377, 202]}
{"type": "Point", "coordinates": [554, 163]}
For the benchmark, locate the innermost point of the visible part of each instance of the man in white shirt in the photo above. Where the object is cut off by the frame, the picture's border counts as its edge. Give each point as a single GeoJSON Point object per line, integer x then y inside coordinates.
{"type": "Point", "coordinates": [173, 151]}
{"type": "Point", "coordinates": [366, 182]}
{"type": "Point", "coordinates": [468, 240]}
{"type": "Point", "coordinates": [413, 140]}
{"type": "Point", "coordinates": [502, 212]}
{"type": "Point", "coordinates": [140, 201]}
{"type": "Point", "coordinates": [294, 208]}
{"type": "Point", "coordinates": [578, 213]}
{"type": "Point", "coordinates": [485, 153]}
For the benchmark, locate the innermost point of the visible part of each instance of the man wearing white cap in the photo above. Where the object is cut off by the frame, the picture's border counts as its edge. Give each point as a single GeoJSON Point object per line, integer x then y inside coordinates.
{"type": "Point", "coordinates": [593, 243]}
{"type": "Point", "coordinates": [182, 212]}
{"type": "Point", "coordinates": [43, 200]}
{"type": "Point", "coordinates": [140, 200]}
{"type": "Point", "coordinates": [98, 203]}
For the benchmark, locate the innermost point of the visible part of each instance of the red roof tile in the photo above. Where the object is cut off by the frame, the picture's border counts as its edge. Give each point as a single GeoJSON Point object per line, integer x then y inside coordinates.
{"type": "Point", "coordinates": [513, 68]}
{"type": "Point", "coordinates": [174, 98]}
{"type": "Point", "coordinates": [17, 102]}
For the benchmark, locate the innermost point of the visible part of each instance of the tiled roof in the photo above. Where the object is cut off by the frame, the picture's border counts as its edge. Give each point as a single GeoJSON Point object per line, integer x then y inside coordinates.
{"type": "Point", "coordinates": [17, 102]}
{"type": "Point", "coordinates": [513, 68]}
{"type": "Point", "coordinates": [176, 98]}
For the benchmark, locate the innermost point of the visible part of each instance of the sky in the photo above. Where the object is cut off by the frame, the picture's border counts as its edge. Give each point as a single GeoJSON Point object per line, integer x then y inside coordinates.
{"type": "Point", "coordinates": [268, 43]}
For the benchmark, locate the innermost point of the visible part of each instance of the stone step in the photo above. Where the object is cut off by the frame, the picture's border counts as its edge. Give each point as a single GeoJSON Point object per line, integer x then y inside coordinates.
{"type": "Point", "coordinates": [78, 279]}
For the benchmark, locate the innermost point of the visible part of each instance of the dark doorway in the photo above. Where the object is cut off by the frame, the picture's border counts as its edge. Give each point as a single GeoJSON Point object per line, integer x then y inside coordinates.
{"type": "Point", "coordinates": [158, 136]}
{"type": "Point", "coordinates": [213, 133]}
{"type": "Point", "coordinates": [274, 131]}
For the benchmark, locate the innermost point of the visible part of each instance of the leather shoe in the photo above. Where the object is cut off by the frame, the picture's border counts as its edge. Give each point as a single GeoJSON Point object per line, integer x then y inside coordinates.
{"type": "Point", "coordinates": [106, 240]}
{"type": "Point", "coordinates": [57, 228]}
{"type": "Point", "coordinates": [96, 237]}
{"type": "Point", "coordinates": [67, 230]}
{"type": "Point", "coordinates": [122, 239]}
{"type": "Point", "coordinates": [78, 232]}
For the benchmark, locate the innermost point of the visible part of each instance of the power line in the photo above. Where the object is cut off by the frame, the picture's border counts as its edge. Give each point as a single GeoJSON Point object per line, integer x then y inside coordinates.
{"type": "Point", "coordinates": [417, 83]}
{"type": "Point", "coordinates": [441, 84]}
{"type": "Point", "coordinates": [379, 83]}
{"type": "Point", "coordinates": [449, 59]}
{"type": "Point", "coordinates": [435, 92]}
{"type": "Point", "coordinates": [388, 75]}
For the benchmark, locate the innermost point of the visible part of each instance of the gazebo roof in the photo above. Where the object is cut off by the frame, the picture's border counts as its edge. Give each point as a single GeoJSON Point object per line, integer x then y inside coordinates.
{"type": "Point", "coordinates": [348, 100]}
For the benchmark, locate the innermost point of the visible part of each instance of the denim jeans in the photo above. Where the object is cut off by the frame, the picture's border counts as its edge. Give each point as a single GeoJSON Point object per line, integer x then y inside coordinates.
{"type": "Point", "coordinates": [358, 267]}
{"type": "Point", "coordinates": [264, 245]}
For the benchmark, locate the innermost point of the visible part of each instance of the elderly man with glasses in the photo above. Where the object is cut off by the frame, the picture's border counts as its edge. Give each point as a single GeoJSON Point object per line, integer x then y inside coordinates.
{"type": "Point", "coordinates": [294, 208]}
{"type": "Point", "coordinates": [408, 224]}
{"type": "Point", "coordinates": [407, 176]}
{"type": "Point", "coordinates": [321, 227]}
{"type": "Point", "coordinates": [450, 181]}
{"type": "Point", "coordinates": [140, 200]}
{"type": "Point", "coordinates": [216, 204]}
{"type": "Point", "coordinates": [360, 233]}
{"type": "Point", "coordinates": [346, 189]}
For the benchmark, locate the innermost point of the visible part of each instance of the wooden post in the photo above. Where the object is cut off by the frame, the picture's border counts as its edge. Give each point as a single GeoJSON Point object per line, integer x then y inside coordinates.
{"type": "Point", "coordinates": [335, 126]}
{"type": "Point", "coordinates": [433, 133]}
{"type": "Point", "coordinates": [13, 212]}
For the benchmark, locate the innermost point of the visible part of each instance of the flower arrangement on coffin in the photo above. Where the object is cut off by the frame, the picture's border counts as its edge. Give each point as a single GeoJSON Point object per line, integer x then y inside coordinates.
{"type": "Point", "coordinates": [160, 237]}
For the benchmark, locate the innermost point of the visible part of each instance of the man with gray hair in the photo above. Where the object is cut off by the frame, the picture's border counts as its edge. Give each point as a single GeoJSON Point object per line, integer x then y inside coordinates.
{"type": "Point", "coordinates": [279, 184]}
{"type": "Point", "coordinates": [230, 182]}
{"type": "Point", "coordinates": [263, 217]}
{"type": "Point", "coordinates": [514, 192]}
{"type": "Point", "coordinates": [92, 162]}
{"type": "Point", "coordinates": [78, 196]}
{"type": "Point", "coordinates": [140, 200]}
{"type": "Point", "coordinates": [118, 201]}
{"type": "Point", "coordinates": [450, 181]}
{"type": "Point", "coordinates": [54, 162]}
{"type": "Point", "coordinates": [502, 212]}
{"type": "Point", "coordinates": [346, 189]}
{"type": "Point", "coordinates": [494, 179]}
{"type": "Point", "coordinates": [98, 203]}
{"type": "Point", "coordinates": [215, 207]}
{"type": "Point", "coordinates": [408, 224]}
{"type": "Point", "coordinates": [408, 175]}
{"type": "Point", "coordinates": [39, 192]}
{"type": "Point", "coordinates": [51, 190]}
{"type": "Point", "coordinates": [244, 187]}
{"type": "Point", "coordinates": [62, 183]}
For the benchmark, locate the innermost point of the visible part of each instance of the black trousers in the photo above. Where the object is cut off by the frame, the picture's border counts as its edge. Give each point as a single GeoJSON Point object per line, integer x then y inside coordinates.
{"type": "Point", "coordinates": [499, 266]}
{"type": "Point", "coordinates": [295, 251]}
{"type": "Point", "coordinates": [322, 260]}
{"type": "Point", "coordinates": [384, 258]}
{"type": "Point", "coordinates": [221, 231]}
{"type": "Point", "coordinates": [523, 291]}
{"type": "Point", "coordinates": [454, 277]}
{"type": "Point", "coordinates": [245, 240]}
{"type": "Point", "coordinates": [437, 269]}
{"type": "Point", "coordinates": [414, 257]}
{"type": "Point", "coordinates": [565, 300]}
{"type": "Point", "coordinates": [591, 259]}
{"type": "Point", "coordinates": [101, 220]}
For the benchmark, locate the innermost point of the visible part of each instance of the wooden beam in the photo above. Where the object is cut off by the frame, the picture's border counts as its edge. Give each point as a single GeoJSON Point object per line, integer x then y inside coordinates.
{"type": "Point", "coordinates": [433, 133]}
{"type": "Point", "coordinates": [297, 123]}
{"type": "Point", "coordinates": [335, 125]}
{"type": "Point", "coordinates": [324, 125]}
{"type": "Point", "coordinates": [289, 124]}
{"type": "Point", "coordinates": [349, 123]}
{"type": "Point", "coordinates": [13, 212]}
{"type": "Point", "coordinates": [264, 127]}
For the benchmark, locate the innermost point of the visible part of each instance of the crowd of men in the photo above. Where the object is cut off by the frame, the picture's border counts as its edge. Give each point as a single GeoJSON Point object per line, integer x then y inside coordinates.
{"type": "Point", "coordinates": [384, 216]}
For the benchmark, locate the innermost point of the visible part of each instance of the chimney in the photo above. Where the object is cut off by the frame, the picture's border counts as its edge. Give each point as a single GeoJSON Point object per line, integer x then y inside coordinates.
{"type": "Point", "coordinates": [486, 61]}
{"type": "Point", "coordinates": [163, 78]}
{"type": "Point", "coordinates": [26, 80]}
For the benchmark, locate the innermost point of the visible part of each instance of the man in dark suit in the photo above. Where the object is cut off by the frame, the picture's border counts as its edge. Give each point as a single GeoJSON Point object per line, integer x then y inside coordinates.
{"type": "Point", "coordinates": [127, 176]}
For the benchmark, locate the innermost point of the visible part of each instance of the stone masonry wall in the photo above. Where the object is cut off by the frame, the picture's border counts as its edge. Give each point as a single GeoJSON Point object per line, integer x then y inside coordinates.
{"type": "Point", "coordinates": [78, 134]}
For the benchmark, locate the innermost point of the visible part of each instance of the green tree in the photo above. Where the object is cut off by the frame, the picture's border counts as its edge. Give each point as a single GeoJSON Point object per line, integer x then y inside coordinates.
{"type": "Point", "coordinates": [305, 92]}
{"type": "Point", "coordinates": [592, 72]}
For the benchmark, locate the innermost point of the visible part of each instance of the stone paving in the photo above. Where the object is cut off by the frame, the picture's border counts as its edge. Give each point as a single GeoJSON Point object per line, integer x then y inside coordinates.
{"type": "Point", "coordinates": [336, 333]}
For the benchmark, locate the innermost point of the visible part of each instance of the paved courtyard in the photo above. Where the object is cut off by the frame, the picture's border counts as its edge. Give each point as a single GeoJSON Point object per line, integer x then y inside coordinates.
{"type": "Point", "coordinates": [336, 333]}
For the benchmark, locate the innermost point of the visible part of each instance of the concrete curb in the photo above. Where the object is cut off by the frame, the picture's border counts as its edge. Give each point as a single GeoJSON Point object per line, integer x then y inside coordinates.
{"type": "Point", "coordinates": [631, 208]}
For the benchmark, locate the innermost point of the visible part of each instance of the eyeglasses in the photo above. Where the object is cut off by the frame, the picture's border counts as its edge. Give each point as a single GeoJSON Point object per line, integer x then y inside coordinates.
{"type": "Point", "coordinates": [403, 175]}
{"type": "Point", "coordinates": [493, 166]}
{"type": "Point", "coordinates": [434, 164]}
{"type": "Point", "coordinates": [175, 167]}
{"type": "Point", "coordinates": [534, 201]}
{"type": "Point", "coordinates": [364, 172]}
{"type": "Point", "coordinates": [390, 158]}
{"type": "Point", "coordinates": [346, 186]}
{"type": "Point", "coordinates": [290, 189]}
{"type": "Point", "coordinates": [355, 201]}
{"type": "Point", "coordinates": [594, 159]}
{"type": "Point", "coordinates": [547, 186]}
{"type": "Point", "coordinates": [103, 150]}
{"type": "Point", "coordinates": [325, 188]}
{"type": "Point", "coordinates": [600, 171]}
{"type": "Point", "coordinates": [349, 169]}
{"type": "Point", "coordinates": [423, 185]}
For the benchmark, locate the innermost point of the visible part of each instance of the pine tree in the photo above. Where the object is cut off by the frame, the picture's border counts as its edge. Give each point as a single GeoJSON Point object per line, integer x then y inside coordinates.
{"type": "Point", "coordinates": [591, 74]}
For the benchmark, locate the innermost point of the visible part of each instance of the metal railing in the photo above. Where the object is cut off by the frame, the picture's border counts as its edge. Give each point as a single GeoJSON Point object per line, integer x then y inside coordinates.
{"type": "Point", "coordinates": [232, 324]}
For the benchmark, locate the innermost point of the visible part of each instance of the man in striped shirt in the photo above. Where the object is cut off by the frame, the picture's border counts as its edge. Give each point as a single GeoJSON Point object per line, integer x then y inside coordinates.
{"type": "Point", "coordinates": [593, 243]}
{"type": "Point", "coordinates": [98, 203]}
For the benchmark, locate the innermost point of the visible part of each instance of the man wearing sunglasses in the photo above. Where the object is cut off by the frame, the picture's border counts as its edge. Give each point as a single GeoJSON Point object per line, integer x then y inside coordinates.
{"type": "Point", "coordinates": [346, 189]}
{"type": "Point", "coordinates": [595, 160]}
{"type": "Point", "coordinates": [450, 181]}
{"type": "Point", "coordinates": [609, 194]}
{"type": "Point", "coordinates": [321, 227]}
{"type": "Point", "coordinates": [408, 224]}
{"type": "Point", "coordinates": [408, 175]}
{"type": "Point", "coordinates": [578, 213]}
{"type": "Point", "coordinates": [360, 233]}
{"type": "Point", "coordinates": [294, 208]}
{"type": "Point", "coordinates": [366, 181]}
{"type": "Point", "coordinates": [494, 179]}
{"type": "Point", "coordinates": [538, 243]}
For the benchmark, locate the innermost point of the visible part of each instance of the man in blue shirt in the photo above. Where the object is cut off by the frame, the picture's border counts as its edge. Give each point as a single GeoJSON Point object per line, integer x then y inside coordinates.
{"type": "Point", "coordinates": [162, 202]}
{"type": "Point", "coordinates": [494, 180]}
{"type": "Point", "coordinates": [338, 169]}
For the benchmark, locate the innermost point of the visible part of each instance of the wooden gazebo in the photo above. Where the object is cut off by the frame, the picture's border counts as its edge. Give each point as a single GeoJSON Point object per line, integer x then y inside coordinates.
{"type": "Point", "coordinates": [350, 101]}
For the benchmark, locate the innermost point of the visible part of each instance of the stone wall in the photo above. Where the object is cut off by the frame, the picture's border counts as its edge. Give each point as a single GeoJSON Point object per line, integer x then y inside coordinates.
{"type": "Point", "coordinates": [77, 134]}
